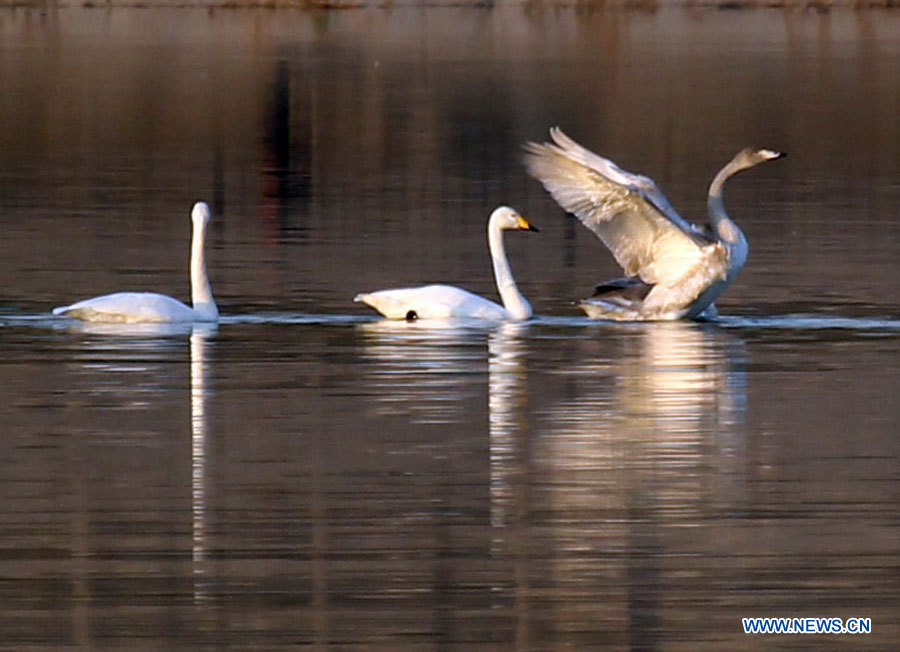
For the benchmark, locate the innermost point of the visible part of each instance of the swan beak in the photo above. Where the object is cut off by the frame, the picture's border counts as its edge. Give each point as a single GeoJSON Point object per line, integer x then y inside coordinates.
{"type": "Point", "coordinates": [771, 155]}
{"type": "Point", "coordinates": [524, 225]}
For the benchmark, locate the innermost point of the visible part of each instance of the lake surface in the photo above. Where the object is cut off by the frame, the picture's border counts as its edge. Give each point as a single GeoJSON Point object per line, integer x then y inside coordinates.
{"type": "Point", "coordinates": [304, 474]}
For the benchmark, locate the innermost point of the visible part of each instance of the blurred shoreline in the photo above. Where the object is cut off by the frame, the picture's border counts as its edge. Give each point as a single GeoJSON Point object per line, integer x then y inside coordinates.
{"type": "Point", "coordinates": [579, 5]}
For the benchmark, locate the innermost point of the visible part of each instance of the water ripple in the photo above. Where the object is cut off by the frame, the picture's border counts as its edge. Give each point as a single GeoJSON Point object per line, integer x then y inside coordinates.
{"type": "Point", "coordinates": [803, 322]}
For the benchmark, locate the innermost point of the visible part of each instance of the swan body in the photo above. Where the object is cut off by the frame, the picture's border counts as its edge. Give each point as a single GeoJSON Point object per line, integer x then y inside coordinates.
{"type": "Point", "coordinates": [433, 302]}
{"type": "Point", "coordinates": [674, 270]}
{"type": "Point", "coordinates": [150, 307]}
{"type": "Point", "coordinates": [448, 302]}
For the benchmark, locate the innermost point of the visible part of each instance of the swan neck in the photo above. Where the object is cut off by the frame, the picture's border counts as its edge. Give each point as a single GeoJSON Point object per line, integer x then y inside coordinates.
{"type": "Point", "coordinates": [201, 293]}
{"type": "Point", "coordinates": [718, 182]}
{"type": "Point", "coordinates": [516, 305]}
{"type": "Point", "coordinates": [722, 225]}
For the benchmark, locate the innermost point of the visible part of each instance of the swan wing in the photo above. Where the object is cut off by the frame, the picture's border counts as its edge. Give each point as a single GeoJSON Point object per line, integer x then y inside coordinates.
{"type": "Point", "coordinates": [626, 211]}
{"type": "Point", "coordinates": [432, 302]}
{"type": "Point", "coordinates": [129, 307]}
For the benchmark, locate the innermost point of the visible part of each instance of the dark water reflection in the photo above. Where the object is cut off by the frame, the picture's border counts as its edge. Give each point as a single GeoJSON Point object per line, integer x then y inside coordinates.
{"type": "Point", "coordinates": [529, 487]}
{"type": "Point", "coordinates": [304, 475]}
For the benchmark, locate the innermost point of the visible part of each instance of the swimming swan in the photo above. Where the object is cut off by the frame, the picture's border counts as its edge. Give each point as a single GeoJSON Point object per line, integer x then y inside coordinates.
{"type": "Point", "coordinates": [448, 302]}
{"type": "Point", "coordinates": [674, 270]}
{"type": "Point", "coordinates": [134, 307]}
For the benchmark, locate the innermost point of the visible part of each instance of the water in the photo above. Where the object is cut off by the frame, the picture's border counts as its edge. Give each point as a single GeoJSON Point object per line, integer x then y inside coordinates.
{"type": "Point", "coordinates": [306, 475]}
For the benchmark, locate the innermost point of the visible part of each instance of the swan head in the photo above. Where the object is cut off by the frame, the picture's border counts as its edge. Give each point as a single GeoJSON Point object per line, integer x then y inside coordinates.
{"type": "Point", "coordinates": [508, 219]}
{"type": "Point", "coordinates": [200, 213]}
{"type": "Point", "coordinates": [743, 160]}
{"type": "Point", "coordinates": [751, 156]}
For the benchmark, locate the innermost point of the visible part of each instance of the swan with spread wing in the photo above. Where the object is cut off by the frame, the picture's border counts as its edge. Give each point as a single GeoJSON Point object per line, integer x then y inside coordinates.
{"type": "Point", "coordinates": [674, 270]}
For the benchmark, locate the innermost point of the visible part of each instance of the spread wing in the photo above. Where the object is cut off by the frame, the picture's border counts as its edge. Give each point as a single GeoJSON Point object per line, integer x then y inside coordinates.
{"type": "Point", "coordinates": [627, 211]}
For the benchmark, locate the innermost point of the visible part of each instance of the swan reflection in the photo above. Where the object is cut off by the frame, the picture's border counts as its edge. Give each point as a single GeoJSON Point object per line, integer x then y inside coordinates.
{"type": "Point", "coordinates": [634, 463]}
{"type": "Point", "coordinates": [199, 395]}
{"type": "Point", "coordinates": [127, 359]}
{"type": "Point", "coordinates": [125, 348]}
{"type": "Point", "coordinates": [507, 421]}
{"type": "Point", "coordinates": [421, 368]}
{"type": "Point", "coordinates": [145, 330]}
{"type": "Point", "coordinates": [668, 400]}
{"type": "Point", "coordinates": [135, 381]}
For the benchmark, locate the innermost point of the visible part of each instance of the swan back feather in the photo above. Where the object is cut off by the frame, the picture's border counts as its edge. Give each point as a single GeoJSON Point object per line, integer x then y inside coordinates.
{"type": "Point", "coordinates": [432, 302]}
{"type": "Point", "coordinates": [129, 308]}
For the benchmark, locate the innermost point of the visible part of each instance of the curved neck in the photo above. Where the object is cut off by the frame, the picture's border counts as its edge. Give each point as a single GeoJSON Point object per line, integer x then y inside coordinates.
{"type": "Point", "coordinates": [722, 225]}
{"type": "Point", "coordinates": [201, 293]}
{"type": "Point", "coordinates": [517, 306]}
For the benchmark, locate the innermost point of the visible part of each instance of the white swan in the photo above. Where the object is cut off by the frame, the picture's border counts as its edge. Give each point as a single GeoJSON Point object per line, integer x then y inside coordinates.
{"type": "Point", "coordinates": [674, 270]}
{"type": "Point", "coordinates": [448, 302]}
{"type": "Point", "coordinates": [135, 307]}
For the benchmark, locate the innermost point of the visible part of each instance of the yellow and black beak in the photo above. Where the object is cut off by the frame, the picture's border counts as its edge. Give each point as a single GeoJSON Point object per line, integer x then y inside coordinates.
{"type": "Point", "coordinates": [525, 225]}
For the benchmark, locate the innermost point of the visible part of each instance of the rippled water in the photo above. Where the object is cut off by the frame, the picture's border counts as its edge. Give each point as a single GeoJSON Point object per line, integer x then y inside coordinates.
{"type": "Point", "coordinates": [305, 475]}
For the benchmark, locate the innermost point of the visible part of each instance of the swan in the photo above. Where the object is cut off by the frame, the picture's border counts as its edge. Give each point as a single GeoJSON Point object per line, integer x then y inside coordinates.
{"type": "Point", "coordinates": [143, 307]}
{"type": "Point", "coordinates": [674, 270]}
{"type": "Point", "coordinates": [448, 302]}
